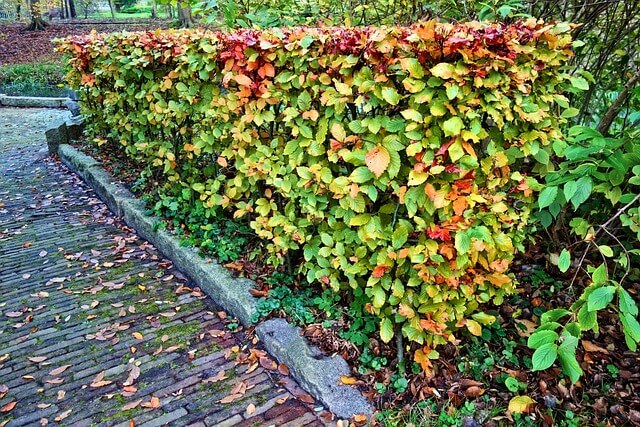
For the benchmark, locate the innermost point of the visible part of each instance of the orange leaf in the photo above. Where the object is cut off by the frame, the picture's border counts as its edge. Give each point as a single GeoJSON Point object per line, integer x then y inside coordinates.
{"type": "Point", "coordinates": [137, 335]}
{"type": "Point", "coordinates": [9, 406]}
{"type": "Point", "coordinates": [153, 403]}
{"type": "Point", "coordinates": [242, 80]}
{"type": "Point", "coordinates": [230, 398]}
{"type": "Point", "coordinates": [306, 398]}
{"type": "Point", "coordinates": [379, 271]}
{"type": "Point", "coordinates": [131, 405]}
{"type": "Point", "coordinates": [283, 369]}
{"type": "Point", "coordinates": [377, 160]}
{"type": "Point", "coordinates": [218, 377]}
{"type": "Point", "coordinates": [347, 380]}
{"type": "Point", "coordinates": [459, 205]}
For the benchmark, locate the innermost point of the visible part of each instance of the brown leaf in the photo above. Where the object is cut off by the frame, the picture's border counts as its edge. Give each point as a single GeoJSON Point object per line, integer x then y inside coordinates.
{"type": "Point", "coordinates": [240, 388]}
{"type": "Point", "coordinates": [216, 333]}
{"type": "Point", "coordinates": [98, 381]}
{"type": "Point", "coordinates": [13, 313]}
{"type": "Point", "coordinates": [63, 415]}
{"type": "Point", "coordinates": [37, 359]}
{"type": "Point", "coordinates": [525, 327]}
{"type": "Point", "coordinates": [61, 394]}
{"type": "Point", "coordinates": [251, 408]}
{"type": "Point", "coordinates": [55, 381]}
{"type": "Point", "coordinates": [3, 390]}
{"type": "Point", "coordinates": [153, 403]}
{"type": "Point", "coordinates": [133, 375]}
{"type": "Point", "coordinates": [8, 407]}
{"type": "Point", "coordinates": [131, 405]}
{"type": "Point", "coordinates": [230, 398]}
{"type": "Point", "coordinates": [304, 397]}
{"type": "Point", "coordinates": [283, 369]}
{"type": "Point", "coordinates": [43, 405]}
{"type": "Point", "coordinates": [137, 335]}
{"type": "Point", "coordinates": [359, 418]}
{"type": "Point", "coordinates": [473, 392]}
{"type": "Point", "coordinates": [591, 347]}
{"type": "Point", "coordinates": [217, 377]}
{"type": "Point", "coordinates": [59, 370]}
{"type": "Point", "coordinates": [267, 363]}
{"type": "Point", "coordinates": [282, 400]}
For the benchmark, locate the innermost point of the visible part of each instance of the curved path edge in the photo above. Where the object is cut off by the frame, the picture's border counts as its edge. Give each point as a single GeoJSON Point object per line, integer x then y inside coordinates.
{"type": "Point", "coordinates": [317, 373]}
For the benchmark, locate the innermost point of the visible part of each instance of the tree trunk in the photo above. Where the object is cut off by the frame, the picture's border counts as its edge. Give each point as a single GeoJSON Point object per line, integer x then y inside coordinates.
{"type": "Point", "coordinates": [72, 9]}
{"type": "Point", "coordinates": [112, 8]}
{"type": "Point", "coordinates": [607, 120]}
{"type": "Point", "coordinates": [154, 9]}
{"type": "Point", "coordinates": [37, 23]}
{"type": "Point", "coordinates": [184, 15]}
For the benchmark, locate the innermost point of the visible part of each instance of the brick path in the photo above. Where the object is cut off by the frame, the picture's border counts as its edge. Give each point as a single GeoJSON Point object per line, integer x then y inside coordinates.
{"type": "Point", "coordinates": [97, 329]}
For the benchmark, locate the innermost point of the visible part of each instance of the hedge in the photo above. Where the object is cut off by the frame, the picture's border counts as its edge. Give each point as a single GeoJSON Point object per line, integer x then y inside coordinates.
{"type": "Point", "coordinates": [391, 159]}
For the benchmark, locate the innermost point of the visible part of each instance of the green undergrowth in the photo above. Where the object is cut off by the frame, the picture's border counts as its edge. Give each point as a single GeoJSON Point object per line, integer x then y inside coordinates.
{"type": "Point", "coordinates": [33, 80]}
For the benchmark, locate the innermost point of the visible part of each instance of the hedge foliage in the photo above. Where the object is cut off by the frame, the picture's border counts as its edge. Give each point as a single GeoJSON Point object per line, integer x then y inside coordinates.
{"type": "Point", "coordinates": [387, 157]}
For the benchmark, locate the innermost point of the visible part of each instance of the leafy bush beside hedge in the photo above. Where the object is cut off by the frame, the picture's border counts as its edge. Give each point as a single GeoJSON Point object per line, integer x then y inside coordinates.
{"type": "Point", "coordinates": [390, 159]}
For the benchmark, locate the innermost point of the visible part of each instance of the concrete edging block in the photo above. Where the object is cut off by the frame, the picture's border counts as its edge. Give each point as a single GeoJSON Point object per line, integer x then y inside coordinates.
{"type": "Point", "coordinates": [33, 101]}
{"type": "Point", "coordinates": [317, 373]}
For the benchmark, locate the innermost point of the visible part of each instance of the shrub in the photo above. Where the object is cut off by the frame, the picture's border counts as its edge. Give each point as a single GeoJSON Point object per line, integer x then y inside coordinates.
{"type": "Point", "coordinates": [389, 159]}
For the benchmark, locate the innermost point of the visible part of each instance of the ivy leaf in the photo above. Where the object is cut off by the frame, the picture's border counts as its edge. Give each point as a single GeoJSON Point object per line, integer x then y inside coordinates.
{"type": "Point", "coordinates": [377, 160]}
{"type": "Point", "coordinates": [544, 356]}
{"type": "Point", "coordinates": [386, 330]}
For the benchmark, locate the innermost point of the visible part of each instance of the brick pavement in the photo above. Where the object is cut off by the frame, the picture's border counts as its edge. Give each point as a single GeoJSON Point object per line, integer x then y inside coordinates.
{"type": "Point", "coordinates": [96, 328]}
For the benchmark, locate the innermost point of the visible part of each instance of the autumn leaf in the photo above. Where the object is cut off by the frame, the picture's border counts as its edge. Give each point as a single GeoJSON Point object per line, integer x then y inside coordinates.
{"type": "Point", "coordinates": [230, 398]}
{"type": "Point", "coordinates": [379, 271]}
{"type": "Point", "coordinates": [8, 407]}
{"type": "Point", "coordinates": [521, 404]}
{"type": "Point", "coordinates": [283, 369]}
{"type": "Point", "coordinates": [55, 381]}
{"type": "Point", "coordinates": [63, 415]}
{"type": "Point", "coordinates": [304, 397]}
{"type": "Point", "coordinates": [377, 160]}
{"type": "Point", "coordinates": [347, 380]}
{"type": "Point", "coordinates": [59, 370]}
{"type": "Point", "coordinates": [60, 395]}
{"type": "Point", "coordinates": [131, 405]}
{"type": "Point", "coordinates": [3, 390]}
{"type": "Point", "coordinates": [153, 403]}
{"type": "Point", "coordinates": [267, 363]}
{"type": "Point", "coordinates": [99, 381]}
{"type": "Point", "coordinates": [133, 375]}
{"type": "Point", "coordinates": [282, 400]}
{"type": "Point", "coordinates": [37, 359]}
{"type": "Point", "coordinates": [217, 377]}
{"type": "Point", "coordinates": [251, 408]}
{"type": "Point", "coordinates": [137, 335]}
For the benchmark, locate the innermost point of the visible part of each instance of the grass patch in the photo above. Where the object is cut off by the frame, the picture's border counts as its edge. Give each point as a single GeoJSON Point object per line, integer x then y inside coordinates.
{"type": "Point", "coordinates": [33, 80]}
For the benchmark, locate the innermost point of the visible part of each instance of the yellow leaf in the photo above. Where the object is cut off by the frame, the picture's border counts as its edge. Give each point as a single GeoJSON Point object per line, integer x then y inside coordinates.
{"type": "Point", "coordinates": [378, 160]}
{"type": "Point", "coordinates": [137, 335]}
{"type": "Point", "coordinates": [347, 380]}
{"type": "Point", "coordinates": [243, 80]}
{"type": "Point", "coordinates": [251, 408]}
{"type": "Point", "coordinates": [474, 327]}
{"type": "Point", "coordinates": [521, 404]}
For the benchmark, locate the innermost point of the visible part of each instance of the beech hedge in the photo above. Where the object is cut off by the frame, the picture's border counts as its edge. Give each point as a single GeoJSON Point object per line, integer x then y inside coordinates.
{"type": "Point", "coordinates": [390, 159]}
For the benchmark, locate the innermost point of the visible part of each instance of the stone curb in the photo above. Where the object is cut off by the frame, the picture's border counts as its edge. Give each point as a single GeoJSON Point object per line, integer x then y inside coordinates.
{"type": "Point", "coordinates": [317, 373]}
{"type": "Point", "coordinates": [32, 101]}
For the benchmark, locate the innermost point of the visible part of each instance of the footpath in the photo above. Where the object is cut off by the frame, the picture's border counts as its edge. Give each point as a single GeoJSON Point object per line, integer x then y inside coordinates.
{"type": "Point", "coordinates": [97, 329]}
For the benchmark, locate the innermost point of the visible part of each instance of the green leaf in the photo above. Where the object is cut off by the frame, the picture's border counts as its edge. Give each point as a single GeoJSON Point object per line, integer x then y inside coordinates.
{"type": "Point", "coordinates": [627, 303]}
{"type": "Point", "coordinates": [564, 260]}
{"type": "Point", "coordinates": [570, 189]}
{"type": "Point", "coordinates": [587, 319]}
{"type": "Point", "coordinates": [443, 70]}
{"type": "Point", "coordinates": [453, 126]}
{"type": "Point", "coordinates": [462, 242]}
{"type": "Point", "coordinates": [547, 196]}
{"type": "Point", "coordinates": [304, 101]}
{"type": "Point", "coordinates": [606, 251]}
{"type": "Point", "coordinates": [569, 364]}
{"type": "Point", "coordinates": [386, 330]}
{"type": "Point", "coordinates": [600, 274]}
{"type": "Point", "coordinates": [390, 95]}
{"type": "Point", "coordinates": [579, 83]}
{"type": "Point", "coordinates": [554, 315]}
{"type": "Point", "coordinates": [582, 192]}
{"type": "Point", "coordinates": [600, 298]}
{"type": "Point", "coordinates": [540, 338]}
{"type": "Point", "coordinates": [570, 112]}
{"type": "Point", "coordinates": [544, 356]}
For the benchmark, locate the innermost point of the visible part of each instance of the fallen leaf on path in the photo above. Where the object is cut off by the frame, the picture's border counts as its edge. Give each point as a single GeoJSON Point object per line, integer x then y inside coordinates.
{"type": "Point", "coordinates": [267, 363]}
{"type": "Point", "coordinates": [41, 295]}
{"type": "Point", "coordinates": [153, 403]}
{"type": "Point", "coordinates": [240, 388]}
{"type": "Point", "coordinates": [230, 398]}
{"type": "Point", "coordinates": [138, 335]}
{"type": "Point", "coordinates": [63, 415]}
{"type": "Point", "coordinates": [304, 397]}
{"type": "Point", "coordinates": [13, 313]}
{"type": "Point", "coordinates": [251, 408]}
{"type": "Point", "coordinates": [283, 369]}
{"type": "Point", "coordinates": [59, 370]}
{"type": "Point", "coordinates": [43, 405]}
{"type": "Point", "coordinates": [131, 405]}
{"type": "Point", "coordinates": [282, 400]}
{"type": "Point", "coordinates": [61, 394]}
{"type": "Point", "coordinates": [8, 407]}
{"type": "Point", "coordinates": [99, 381]}
{"type": "Point", "coordinates": [216, 333]}
{"type": "Point", "coordinates": [359, 418]}
{"type": "Point", "coordinates": [3, 390]}
{"type": "Point", "coordinates": [55, 381]}
{"type": "Point", "coordinates": [217, 377]}
{"type": "Point", "coordinates": [133, 375]}
{"type": "Point", "coordinates": [37, 359]}
{"type": "Point", "coordinates": [347, 380]}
